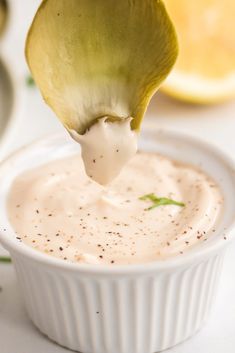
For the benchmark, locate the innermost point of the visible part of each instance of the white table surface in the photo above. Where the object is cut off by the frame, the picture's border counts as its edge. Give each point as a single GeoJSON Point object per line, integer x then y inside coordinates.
{"type": "Point", "coordinates": [34, 119]}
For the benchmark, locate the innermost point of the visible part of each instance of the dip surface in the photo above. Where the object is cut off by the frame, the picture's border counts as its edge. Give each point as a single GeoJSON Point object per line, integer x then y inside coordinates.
{"type": "Point", "coordinates": [58, 210]}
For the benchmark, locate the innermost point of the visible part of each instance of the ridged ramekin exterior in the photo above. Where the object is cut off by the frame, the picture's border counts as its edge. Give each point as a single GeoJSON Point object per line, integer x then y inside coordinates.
{"type": "Point", "coordinates": [121, 313]}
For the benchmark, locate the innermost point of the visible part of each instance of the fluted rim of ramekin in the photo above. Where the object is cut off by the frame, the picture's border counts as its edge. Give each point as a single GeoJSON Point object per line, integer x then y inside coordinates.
{"type": "Point", "coordinates": [198, 253]}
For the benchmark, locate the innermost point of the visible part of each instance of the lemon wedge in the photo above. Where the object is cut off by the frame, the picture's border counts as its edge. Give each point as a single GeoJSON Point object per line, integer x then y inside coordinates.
{"type": "Point", "coordinates": [102, 58]}
{"type": "Point", "coordinates": [205, 68]}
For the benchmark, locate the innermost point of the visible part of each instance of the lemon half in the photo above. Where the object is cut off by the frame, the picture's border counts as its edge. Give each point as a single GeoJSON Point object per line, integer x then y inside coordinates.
{"type": "Point", "coordinates": [205, 68]}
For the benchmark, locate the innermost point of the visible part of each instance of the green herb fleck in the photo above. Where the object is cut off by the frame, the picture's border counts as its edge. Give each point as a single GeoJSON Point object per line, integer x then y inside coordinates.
{"type": "Point", "coordinates": [159, 201]}
{"type": "Point", "coordinates": [5, 259]}
{"type": "Point", "coordinates": [30, 81]}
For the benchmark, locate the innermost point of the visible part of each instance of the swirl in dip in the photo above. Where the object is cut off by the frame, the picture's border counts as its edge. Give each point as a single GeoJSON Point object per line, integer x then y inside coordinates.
{"type": "Point", "coordinates": [58, 210]}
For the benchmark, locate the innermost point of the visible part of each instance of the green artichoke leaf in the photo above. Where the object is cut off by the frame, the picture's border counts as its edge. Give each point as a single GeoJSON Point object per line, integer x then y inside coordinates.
{"type": "Point", "coordinates": [3, 15]}
{"type": "Point", "coordinates": [99, 58]}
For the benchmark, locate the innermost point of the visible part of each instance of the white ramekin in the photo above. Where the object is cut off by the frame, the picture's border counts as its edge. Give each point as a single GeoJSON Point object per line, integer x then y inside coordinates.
{"type": "Point", "coordinates": [121, 309]}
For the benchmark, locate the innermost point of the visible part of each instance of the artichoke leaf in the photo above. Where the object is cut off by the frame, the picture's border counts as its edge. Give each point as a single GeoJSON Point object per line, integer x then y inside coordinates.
{"type": "Point", "coordinates": [3, 15]}
{"type": "Point", "coordinates": [99, 58]}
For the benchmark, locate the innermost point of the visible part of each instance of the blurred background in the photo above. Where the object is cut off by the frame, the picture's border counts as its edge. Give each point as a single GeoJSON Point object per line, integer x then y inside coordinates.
{"type": "Point", "coordinates": [197, 98]}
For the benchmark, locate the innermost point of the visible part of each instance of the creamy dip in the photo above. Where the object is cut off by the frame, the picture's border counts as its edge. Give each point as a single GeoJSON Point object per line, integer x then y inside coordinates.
{"type": "Point", "coordinates": [106, 148]}
{"type": "Point", "coordinates": [57, 210]}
